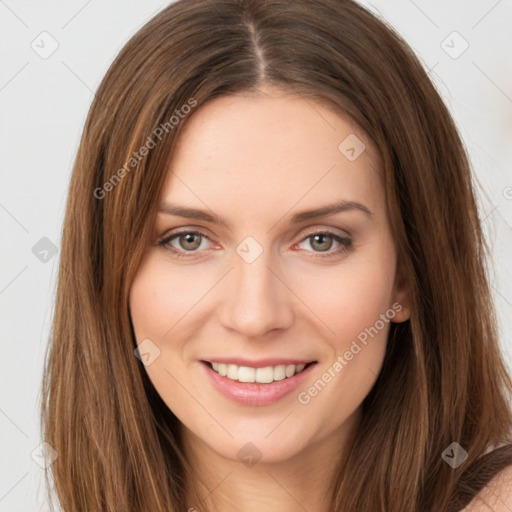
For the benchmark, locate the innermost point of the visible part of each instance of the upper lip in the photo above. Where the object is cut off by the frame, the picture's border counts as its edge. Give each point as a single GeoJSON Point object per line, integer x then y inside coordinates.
{"type": "Point", "coordinates": [260, 363]}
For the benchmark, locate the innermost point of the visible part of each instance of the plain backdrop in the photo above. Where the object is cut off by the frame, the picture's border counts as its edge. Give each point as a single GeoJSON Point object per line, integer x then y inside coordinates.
{"type": "Point", "coordinates": [53, 56]}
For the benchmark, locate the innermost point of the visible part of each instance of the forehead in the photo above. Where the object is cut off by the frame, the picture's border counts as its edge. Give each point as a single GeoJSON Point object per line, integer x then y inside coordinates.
{"type": "Point", "coordinates": [265, 153]}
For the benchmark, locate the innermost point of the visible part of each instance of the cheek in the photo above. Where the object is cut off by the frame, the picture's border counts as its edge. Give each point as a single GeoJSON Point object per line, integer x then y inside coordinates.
{"type": "Point", "coordinates": [356, 304]}
{"type": "Point", "coordinates": [159, 299]}
{"type": "Point", "coordinates": [166, 308]}
{"type": "Point", "coordinates": [158, 303]}
{"type": "Point", "coordinates": [350, 298]}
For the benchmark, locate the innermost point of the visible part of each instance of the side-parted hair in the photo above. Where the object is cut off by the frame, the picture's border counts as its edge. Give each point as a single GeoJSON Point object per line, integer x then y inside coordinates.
{"type": "Point", "coordinates": [443, 378]}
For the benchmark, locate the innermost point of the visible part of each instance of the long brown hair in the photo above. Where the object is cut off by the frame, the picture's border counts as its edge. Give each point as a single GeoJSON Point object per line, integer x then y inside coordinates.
{"type": "Point", "coordinates": [443, 378]}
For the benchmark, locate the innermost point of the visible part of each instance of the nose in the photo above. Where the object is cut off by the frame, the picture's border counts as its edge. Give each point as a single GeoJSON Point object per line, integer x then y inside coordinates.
{"type": "Point", "coordinates": [256, 298]}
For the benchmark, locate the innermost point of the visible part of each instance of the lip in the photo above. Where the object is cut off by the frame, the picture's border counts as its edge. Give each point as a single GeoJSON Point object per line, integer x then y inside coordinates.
{"type": "Point", "coordinates": [260, 363]}
{"type": "Point", "coordinates": [253, 393]}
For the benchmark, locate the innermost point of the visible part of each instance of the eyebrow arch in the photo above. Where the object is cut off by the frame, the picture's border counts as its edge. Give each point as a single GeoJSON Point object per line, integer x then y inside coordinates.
{"type": "Point", "coordinates": [342, 206]}
{"type": "Point", "coordinates": [192, 213]}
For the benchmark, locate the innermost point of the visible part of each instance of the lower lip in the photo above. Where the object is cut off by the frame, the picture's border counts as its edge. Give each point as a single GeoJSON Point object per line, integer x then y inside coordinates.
{"type": "Point", "coordinates": [254, 393]}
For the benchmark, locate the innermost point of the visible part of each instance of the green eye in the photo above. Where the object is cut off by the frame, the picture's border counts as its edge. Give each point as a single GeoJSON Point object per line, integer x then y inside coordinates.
{"type": "Point", "coordinates": [322, 241]}
{"type": "Point", "coordinates": [187, 241]}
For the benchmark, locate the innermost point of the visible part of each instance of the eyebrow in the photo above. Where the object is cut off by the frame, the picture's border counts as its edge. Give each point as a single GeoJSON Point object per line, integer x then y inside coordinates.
{"type": "Point", "coordinates": [331, 209]}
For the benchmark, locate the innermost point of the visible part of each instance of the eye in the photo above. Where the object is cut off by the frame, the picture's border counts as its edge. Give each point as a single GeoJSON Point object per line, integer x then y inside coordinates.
{"type": "Point", "coordinates": [323, 241]}
{"type": "Point", "coordinates": [188, 242]}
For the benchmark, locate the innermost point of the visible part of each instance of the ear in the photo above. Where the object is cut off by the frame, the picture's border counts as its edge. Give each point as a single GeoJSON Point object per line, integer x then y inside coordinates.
{"type": "Point", "coordinates": [401, 295]}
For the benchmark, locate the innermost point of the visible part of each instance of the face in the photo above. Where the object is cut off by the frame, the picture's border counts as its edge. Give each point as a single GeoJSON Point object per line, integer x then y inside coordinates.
{"type": "Point", "coordinates": [251, 268]}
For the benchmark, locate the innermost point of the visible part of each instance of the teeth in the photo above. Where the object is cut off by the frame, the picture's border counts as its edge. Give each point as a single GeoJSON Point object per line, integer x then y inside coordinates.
{"type": "Point", "coordinates": [232, 372]}
{"type": "Point", "coordinates": [261, 375]}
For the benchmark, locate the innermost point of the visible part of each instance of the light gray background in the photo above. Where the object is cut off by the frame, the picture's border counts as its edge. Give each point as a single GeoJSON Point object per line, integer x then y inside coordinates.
{"type": "Point", "coordinates": [44, 102]}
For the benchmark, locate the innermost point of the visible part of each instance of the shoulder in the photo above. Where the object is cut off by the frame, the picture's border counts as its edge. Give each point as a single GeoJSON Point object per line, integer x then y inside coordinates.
{"type": "Point", "coordinates": [496, 496]}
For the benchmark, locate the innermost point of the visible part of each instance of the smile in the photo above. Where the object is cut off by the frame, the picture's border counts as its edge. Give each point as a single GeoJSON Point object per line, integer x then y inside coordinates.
{"type": "Point", "coordinates": [264, 375]}
{"type": "Point", "coordinates": [258, 385]}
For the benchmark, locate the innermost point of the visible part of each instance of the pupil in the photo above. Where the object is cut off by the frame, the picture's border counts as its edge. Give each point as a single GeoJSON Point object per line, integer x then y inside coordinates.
{"type": "Point", "coordinates": [188, 238]}
{"type": "Point", "coordinates": [323, 237]}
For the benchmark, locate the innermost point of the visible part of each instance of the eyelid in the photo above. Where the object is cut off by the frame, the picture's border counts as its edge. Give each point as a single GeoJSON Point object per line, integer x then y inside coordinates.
{"type": "Point", "coordinates": [323, 229]}
{"type": "Point", "coordinates": [188, 229]}
{"type": "Point", "coordinates": [304, 232]}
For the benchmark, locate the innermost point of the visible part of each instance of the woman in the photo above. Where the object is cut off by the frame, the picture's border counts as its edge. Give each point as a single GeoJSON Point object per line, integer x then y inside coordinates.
{"type": "Point", "coordinates": [272, 291]}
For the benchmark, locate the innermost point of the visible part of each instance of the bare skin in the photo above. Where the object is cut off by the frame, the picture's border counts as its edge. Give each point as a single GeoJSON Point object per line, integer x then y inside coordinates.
{"type": "Point", "coordinates": [255, 161]}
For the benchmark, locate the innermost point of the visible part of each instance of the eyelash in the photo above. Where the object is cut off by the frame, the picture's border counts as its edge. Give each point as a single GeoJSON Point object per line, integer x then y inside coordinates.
{"type": "Point", "coordinates": [345, 244]}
